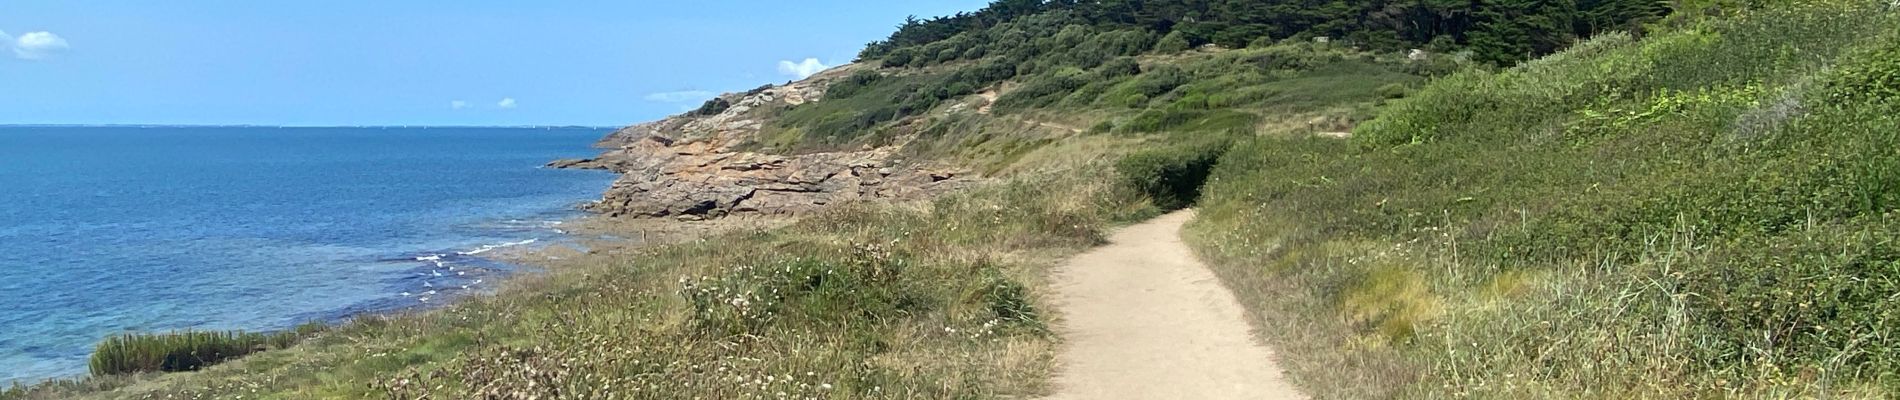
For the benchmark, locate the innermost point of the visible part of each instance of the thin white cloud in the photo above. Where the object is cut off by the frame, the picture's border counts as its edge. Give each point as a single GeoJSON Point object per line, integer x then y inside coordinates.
{"type": "Point", "coordinates": [457, 104]}
{"type": "Point", "coordinates": [36, 45]}
{"type": "Point", "coordinates": [802, 69]}
{"type": "Point", "coordinates": [683, 96]}
{"type": "Point", "coordinates": [507, 102]}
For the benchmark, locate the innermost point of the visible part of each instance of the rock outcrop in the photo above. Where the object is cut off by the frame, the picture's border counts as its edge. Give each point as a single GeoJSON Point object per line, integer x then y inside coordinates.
{"type": "Point", "coordinates": [685, 166]}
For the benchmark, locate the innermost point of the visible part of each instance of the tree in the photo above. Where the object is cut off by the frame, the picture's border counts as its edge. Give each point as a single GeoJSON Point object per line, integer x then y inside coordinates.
{"type": "Point", "coordinates": [1174, 42]}
{"type": "Point", "coordinates": [1509, 31]}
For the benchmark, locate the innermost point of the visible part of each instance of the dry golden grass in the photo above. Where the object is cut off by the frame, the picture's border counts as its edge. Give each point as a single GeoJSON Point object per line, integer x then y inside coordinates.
{"type": "Point", "coordinates": [904, 301]}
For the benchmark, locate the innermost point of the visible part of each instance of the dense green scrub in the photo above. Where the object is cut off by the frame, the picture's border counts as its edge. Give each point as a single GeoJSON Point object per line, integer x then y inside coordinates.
{"type": "Point", "coordinates": [1500, 31]}
{"type": "Point", "coordinates": [1705, 212]}
{"type": "Point", "coordinates": [1066, 56]}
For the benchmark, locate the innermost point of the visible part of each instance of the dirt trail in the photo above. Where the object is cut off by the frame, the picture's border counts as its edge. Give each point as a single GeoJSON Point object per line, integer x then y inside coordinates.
{"type": "Point", "coordinates": [1144, 319]}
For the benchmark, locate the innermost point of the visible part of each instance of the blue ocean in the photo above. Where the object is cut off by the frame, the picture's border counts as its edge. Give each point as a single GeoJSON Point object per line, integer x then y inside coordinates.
{"type": "Point", "coordinates": [106, 230]}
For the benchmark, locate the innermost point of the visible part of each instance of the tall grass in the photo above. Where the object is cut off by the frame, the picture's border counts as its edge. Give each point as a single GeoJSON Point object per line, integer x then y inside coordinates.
{"type": "Point", "coordinates": [1702, 213]}
{"type": "Point", "coordinates": [185, 351]}
{"type": "Point", "coordinates": [935, 300]}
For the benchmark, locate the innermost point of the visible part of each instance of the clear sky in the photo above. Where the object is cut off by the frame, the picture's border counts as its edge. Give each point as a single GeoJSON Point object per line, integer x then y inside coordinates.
{"type": "Point", "coordinates": [414, 62]}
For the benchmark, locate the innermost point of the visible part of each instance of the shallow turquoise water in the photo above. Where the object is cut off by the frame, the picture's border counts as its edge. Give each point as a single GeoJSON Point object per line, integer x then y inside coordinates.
{"type": "Point", "coordinates": [110, 230]}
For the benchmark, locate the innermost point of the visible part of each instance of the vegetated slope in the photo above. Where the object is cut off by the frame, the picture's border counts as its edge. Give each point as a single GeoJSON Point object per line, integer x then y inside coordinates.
{"type": "Point", "coordinates": [1708, 211]}
{"type": "Point", "coordinates": [1084, 60]}
{"type": "Point", "coordinates": [937, 299]}
{"type": "Point", "coordinates": [1499, 31]}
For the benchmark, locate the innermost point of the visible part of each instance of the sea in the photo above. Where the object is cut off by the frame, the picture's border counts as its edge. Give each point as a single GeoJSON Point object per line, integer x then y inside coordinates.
{"type": "Point", "coordinates": [109, 230]}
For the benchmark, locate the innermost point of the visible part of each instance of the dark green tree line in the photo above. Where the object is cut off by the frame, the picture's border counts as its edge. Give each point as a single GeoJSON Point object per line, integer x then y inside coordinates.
{"type": "Point", "coordinates": [1498, 31]}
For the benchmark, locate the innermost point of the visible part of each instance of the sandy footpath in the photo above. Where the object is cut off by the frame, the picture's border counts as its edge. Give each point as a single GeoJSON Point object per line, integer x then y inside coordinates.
{"type": "Point", "coordinates": [1144, 319]}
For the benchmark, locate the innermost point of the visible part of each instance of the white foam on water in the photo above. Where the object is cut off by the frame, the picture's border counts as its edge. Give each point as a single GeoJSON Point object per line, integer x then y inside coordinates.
{"type": "Point", "coordinates": [492, 247]}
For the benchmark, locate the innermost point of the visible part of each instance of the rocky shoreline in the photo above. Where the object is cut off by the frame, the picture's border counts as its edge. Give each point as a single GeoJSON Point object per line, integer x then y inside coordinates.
{"type": "Point", "coordinates": [686, 166]}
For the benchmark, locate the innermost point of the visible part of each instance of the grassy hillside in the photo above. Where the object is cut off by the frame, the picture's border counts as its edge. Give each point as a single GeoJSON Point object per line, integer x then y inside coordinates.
{"type": "Point", "coordinates": [1699, 205]}
{"type": "Point", "coordinates": [1705, 212]}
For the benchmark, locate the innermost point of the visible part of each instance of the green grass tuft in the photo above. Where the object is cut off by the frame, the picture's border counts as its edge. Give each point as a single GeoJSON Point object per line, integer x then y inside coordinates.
{"type": "Point", "coordinates": [185, 351]}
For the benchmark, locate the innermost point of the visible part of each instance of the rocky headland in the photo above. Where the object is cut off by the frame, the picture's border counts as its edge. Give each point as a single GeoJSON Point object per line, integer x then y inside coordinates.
{"type": "Point", "coordinates": [696, 165]}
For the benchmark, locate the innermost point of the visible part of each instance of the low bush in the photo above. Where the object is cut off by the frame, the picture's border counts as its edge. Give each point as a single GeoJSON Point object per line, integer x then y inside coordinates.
{"type": "Point", "coordinates": [1875, 76]}
{"type": "Point", "coordinates": [1393, 91]}
{"type": "Point", "coordinates": [858, 82]}
{"type": "Point", "coordinates": [1044, 89]}
{"type": "Point", "coordinates": [1119, 67]}
{"type": "Point", "coordinates": [713, 107]}
{"type": "Point", "coordinates": [1172, 176]}
{"type": "Point", "coordinates": [1174, 42]}
{"type": "Point", "coordinates": [1187, 120]}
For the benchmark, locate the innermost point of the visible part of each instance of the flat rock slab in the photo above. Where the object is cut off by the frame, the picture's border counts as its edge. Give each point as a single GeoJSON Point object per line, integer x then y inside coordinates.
{"type": "Point", "coordinates": [1144, 319]}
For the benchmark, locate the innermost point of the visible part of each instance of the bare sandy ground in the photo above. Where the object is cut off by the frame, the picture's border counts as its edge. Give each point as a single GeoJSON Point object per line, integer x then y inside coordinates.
{"type": "Point", "coordinates": [1144, 319]}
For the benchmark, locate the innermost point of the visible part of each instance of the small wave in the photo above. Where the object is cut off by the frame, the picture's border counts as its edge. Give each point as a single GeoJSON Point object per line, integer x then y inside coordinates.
{"type": "Point", "coordinates": [492, 247]}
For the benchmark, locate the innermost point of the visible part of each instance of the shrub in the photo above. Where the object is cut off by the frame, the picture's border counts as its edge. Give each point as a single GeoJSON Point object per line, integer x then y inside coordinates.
{"type": "Point", "coordinates": [1174, 42]}
{"type": "Point", "coordinates": [900, 58]}
{"type": "Point", "coordinates": [1172, 176]}
{"type": "Point", "coordinates": [713, 107]}
{"type": "Point", "coordinates": [1104, 47]}
{"type": "Point", "coordinates": [1873, 74]}
{"type": "Point", "coordinates": [1240, 36]}
{"type": "Point", "coordinates": [869, 284]}
{"type": "Point", "coordinates": [1161, 80]}
{"type": "Point", "coordinates": [852, 85]}
{"type": "Point", "coordinates": [1119, 67]}
{"type": "Point", "coordinates": [1805, 297]}
{"type": "Point", "coordinates": [1187, 120]}
{"type": "Point", "coordinates": [1043, 90]}
{"type": "Point", "coordinates": [1262, 42]}
{"type": "Point", "coordinates": [1393, 91]}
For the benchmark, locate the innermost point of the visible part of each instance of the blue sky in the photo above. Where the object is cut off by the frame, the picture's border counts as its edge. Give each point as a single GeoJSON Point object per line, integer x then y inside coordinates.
{"type": "Point", "coordinates": [363, 62]}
